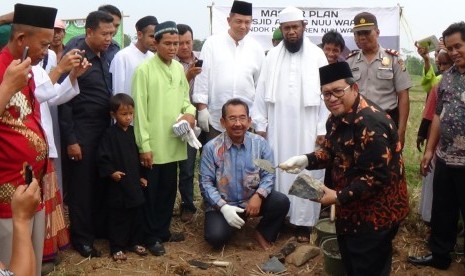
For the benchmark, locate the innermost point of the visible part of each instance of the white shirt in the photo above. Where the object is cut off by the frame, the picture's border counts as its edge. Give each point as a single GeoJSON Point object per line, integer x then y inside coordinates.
{"type": "Point", "coordinates": [51, 95]}
{"type": "Point", "coordinates": [123, 66]}
{"type": "Point", "coordinates": [228, 71]}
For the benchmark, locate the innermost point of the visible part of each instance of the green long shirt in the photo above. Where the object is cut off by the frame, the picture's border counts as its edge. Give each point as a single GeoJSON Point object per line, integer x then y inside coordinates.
{"type": "Point", "coordinates": [161, 94]}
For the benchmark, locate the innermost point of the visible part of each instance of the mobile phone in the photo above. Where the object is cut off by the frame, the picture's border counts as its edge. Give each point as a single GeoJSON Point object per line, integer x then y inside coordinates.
{"type": "Point", "coordinates": [430, 43]}
{"type": "Point", "coordinates": [199, 63]}
{"type": "Point", "coordinates": [81, 55]}
{"type": "Point", "coordinates": [25, 52]}
{"type": "Point", "coordinates": [28, 174]}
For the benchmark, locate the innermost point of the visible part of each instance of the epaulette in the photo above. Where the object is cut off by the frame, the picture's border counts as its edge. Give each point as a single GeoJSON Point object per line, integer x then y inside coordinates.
{"type": "Point", "coordinates": [353, 53]}
{"type": "Point", "coordinates": [392, 52]}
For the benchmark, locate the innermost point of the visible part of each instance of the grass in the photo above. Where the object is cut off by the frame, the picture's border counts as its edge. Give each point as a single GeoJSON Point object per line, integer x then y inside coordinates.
{"type": "Point", "coordinates": [411, 154]}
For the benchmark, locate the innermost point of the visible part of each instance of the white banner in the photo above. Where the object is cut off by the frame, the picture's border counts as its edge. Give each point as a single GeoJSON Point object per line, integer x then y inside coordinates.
{"type": "Point", "coordinates": [320, 20]}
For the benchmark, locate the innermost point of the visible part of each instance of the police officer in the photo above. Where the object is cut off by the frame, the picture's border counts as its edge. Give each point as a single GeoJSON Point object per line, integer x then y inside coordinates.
{"type": "Point", "coordinates": [380, 73]}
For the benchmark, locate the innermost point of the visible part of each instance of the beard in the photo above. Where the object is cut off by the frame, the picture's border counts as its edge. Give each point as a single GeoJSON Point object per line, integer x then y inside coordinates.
{"type": "Point", "coordinates": [294, 47]}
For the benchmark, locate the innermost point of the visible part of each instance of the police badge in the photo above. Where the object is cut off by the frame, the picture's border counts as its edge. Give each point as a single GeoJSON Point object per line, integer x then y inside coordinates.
{"type": "Point", "coordinates": [385, 61]}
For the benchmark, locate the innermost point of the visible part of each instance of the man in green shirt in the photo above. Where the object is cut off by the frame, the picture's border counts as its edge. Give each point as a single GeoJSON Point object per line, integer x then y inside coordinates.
{"type": "Point", "coordinates": [161, 94]}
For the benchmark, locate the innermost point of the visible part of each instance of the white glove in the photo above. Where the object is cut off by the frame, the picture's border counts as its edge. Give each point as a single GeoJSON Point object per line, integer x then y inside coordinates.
{"type": "Point", "coordinates": [190, 138]}
{"type": "Point", "coordinates": [181, 128]}
{"type": "Point", "coordinates": [231, 216]}
{"type": "Point", "coordinates": [197, 131]}
{"type": "Point", "coordinates": [203, 118]}
{"type": "Point", "coordinates": [294, 164]}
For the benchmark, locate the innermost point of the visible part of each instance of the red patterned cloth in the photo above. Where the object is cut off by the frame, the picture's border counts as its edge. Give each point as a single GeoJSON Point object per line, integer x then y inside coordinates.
{"type": "Point", "coordinates": [56, 232]}
{"type": "Point", "coordinates": [21, 139]}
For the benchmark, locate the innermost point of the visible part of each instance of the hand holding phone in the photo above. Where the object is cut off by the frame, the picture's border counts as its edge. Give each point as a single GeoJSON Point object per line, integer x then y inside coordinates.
{"type": "Point", "coordinates": [28, 174]}
{"type": "Point", "coordinates": [25, 52]}
{"type": "Point", "coordinates": [199, 63]}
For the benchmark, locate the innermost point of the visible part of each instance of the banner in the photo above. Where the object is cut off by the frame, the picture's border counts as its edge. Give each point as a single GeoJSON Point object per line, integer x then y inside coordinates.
{"type": "Point", "coordinates": [320, 20]}
{"type": "Point", "coordinates": [76, 27]}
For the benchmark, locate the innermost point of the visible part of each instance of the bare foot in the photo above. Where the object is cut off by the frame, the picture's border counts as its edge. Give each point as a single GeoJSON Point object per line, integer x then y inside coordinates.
{"type": "Point", "coordinates": [262, 241]}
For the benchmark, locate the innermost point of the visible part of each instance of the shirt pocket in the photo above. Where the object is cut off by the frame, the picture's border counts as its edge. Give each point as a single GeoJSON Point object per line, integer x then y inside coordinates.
{"type": "Point", "coordinates": [385, 73]}
{"type": "Point", "coordinates": [356, 74]}
{"type": "Point", "coordinates": [252, 178]}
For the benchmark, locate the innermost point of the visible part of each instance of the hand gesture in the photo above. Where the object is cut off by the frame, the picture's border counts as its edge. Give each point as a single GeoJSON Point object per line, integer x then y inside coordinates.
{"type": "Point", "coordinates": [146, 159]}
{"type": "Point", "coordinates": [116, 176]}
{"type": "Point", "coordinates": [16, 76]}
{"type": "Point", "coordinates": [294, 164]}
{"type": "Point", "coordinates": [253, 206]}
{"type": "Point", "coordinates": [231, 216]}
{"type": "Point", "coordinates": [192, 71]}
{"type": "Point", "coordinates": [74, 152]}
{"type": "Point", "coordinates": [25, 201]}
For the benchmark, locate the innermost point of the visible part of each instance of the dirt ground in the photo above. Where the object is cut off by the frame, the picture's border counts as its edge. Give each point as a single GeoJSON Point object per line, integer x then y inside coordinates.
{"type": "Point", "coordinates": [244, 254]}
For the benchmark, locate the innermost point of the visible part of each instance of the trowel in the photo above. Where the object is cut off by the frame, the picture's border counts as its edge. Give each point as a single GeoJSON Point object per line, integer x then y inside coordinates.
{"type": "Point", "coordinates": [265, 165]}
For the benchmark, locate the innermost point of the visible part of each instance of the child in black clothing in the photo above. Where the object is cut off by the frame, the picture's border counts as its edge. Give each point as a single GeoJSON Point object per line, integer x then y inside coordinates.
{"type": "Point", "coordinates": [118, 161]}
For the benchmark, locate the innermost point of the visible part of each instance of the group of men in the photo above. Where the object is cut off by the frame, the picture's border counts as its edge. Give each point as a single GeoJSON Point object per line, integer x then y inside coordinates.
{"type": "Point", "coordinates": [350, 117]}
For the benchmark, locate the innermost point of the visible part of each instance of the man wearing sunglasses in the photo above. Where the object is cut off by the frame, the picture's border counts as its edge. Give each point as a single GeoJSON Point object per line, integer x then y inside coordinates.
{"type": "Point", "coordinates": [380, 73]}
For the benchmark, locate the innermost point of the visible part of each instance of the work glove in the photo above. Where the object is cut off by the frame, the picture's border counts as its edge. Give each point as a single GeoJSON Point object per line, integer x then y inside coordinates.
{"type": "Point", "coordinates": [294, 164]}
{"type": "Point", "coordinates": [181, 128]}
{"type": "Point", "coordinates": [191, 139]}
{"type": "Point", "coordinates": [231, 216]}
{"type": "Point", "coordinates": [203, 118]}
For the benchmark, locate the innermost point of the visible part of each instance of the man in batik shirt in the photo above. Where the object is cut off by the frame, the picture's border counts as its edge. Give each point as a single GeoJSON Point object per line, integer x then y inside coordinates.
{"type": "Point", "coordinates": [363, 150]}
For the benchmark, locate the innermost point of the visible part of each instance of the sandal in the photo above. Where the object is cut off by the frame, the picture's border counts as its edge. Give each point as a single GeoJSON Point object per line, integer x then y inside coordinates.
{"type": "Point", "coordinates": [119, 256]}
{"type": "Point", "coordinates": [302, 234]}
{"type": "Point", "coordinates": [139, 250]}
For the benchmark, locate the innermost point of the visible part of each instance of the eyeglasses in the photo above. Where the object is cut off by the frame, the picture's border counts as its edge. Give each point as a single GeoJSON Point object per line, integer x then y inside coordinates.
{"type": "Point", "coordinates": [337, 93]}
{"type": "Point", "coordinates": [241, 119]}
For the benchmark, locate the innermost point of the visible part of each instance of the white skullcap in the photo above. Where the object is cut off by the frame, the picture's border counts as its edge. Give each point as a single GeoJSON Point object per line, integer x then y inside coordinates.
{"type": "Point", "coordinates": [290, 14]}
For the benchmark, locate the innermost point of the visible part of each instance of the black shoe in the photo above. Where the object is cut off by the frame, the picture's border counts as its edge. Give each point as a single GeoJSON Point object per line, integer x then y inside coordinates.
{"type": "Point", "coordinates": [428, 260]}
{"type": "Point", "coordinates": [87, 251]}
{"type": "Point", "coordinates": [157, 249]}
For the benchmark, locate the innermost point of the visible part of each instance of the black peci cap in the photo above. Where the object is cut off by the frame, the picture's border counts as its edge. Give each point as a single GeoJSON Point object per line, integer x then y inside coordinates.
{"type": "Point", "coordinates": [334, 72]}
{"type": "Point", "coordinates": [37, 16]}
{"type": "Point", "coordinates": [241, 7]}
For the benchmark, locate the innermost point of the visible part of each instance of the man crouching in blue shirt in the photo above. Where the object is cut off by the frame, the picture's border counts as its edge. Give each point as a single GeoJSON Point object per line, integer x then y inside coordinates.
{"type": "Point", "coordinates": [232, 187]}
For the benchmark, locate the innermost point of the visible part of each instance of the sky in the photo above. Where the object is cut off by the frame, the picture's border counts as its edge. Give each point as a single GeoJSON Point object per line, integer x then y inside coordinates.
{"type": "Point", "coordinates": [419, 20]}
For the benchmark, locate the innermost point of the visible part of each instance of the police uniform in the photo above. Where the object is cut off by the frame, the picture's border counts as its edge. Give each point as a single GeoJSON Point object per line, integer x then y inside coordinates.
{"type": "Point", "coordinates": [384, 77]}
{"type": "Point", "coordinates": [380, 80]}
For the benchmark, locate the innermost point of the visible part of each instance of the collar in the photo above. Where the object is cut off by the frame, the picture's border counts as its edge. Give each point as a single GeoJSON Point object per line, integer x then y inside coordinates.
{"type": "Point", "coordinates": [8, 57]}
{"type": "Point", "coordinates": [229, 143]}
{"type": "Point", "coordinates": [379, 55]}
{"type": "Point", "coordinates": [193, 57]}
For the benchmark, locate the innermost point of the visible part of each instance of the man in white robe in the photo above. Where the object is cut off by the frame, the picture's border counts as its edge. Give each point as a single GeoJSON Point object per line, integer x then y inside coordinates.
{"type": "Point", "coordinates": [231, 67]}
{"type": "Point", "coordinates": [288, 110]}
{"type": "Point", "coordinates": [126, 60]}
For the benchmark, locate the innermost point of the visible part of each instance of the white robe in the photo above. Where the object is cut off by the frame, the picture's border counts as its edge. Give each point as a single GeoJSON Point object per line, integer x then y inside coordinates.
{"type": "Point", "coordinates": [292, 127]}
{"type": "Point", "coordinates": [50, 96]}
{"type": "Point", "coordinates": [124, 65]}
{"type": "Point", "coordinates": [228, 71]}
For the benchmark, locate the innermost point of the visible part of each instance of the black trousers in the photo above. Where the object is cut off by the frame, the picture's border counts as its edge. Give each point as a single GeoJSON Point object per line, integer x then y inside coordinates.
{"type": "Point", "coordinates": [448, 199]}
{"type": "Point", "coordinates": [87, 211]}
{"type": "Point", "coordinates": [186, 180]}
{"type": "Point", "coordinates": [160, 196]}
{"type": "Point", "coordinates": [368, 253]}
{"type": "Point", "coordinates": [273, 211]}
{"type": "Point", "coordinates": [125, 228]}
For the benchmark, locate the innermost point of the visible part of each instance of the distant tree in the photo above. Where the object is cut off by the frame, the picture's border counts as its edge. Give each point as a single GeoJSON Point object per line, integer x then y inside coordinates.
{"type": "Point", "coordinates": [127, 40]}
{"type": "Point", "coordinates": [414, 65]}
{"type": "Point", "coordinates": [198, 45]}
